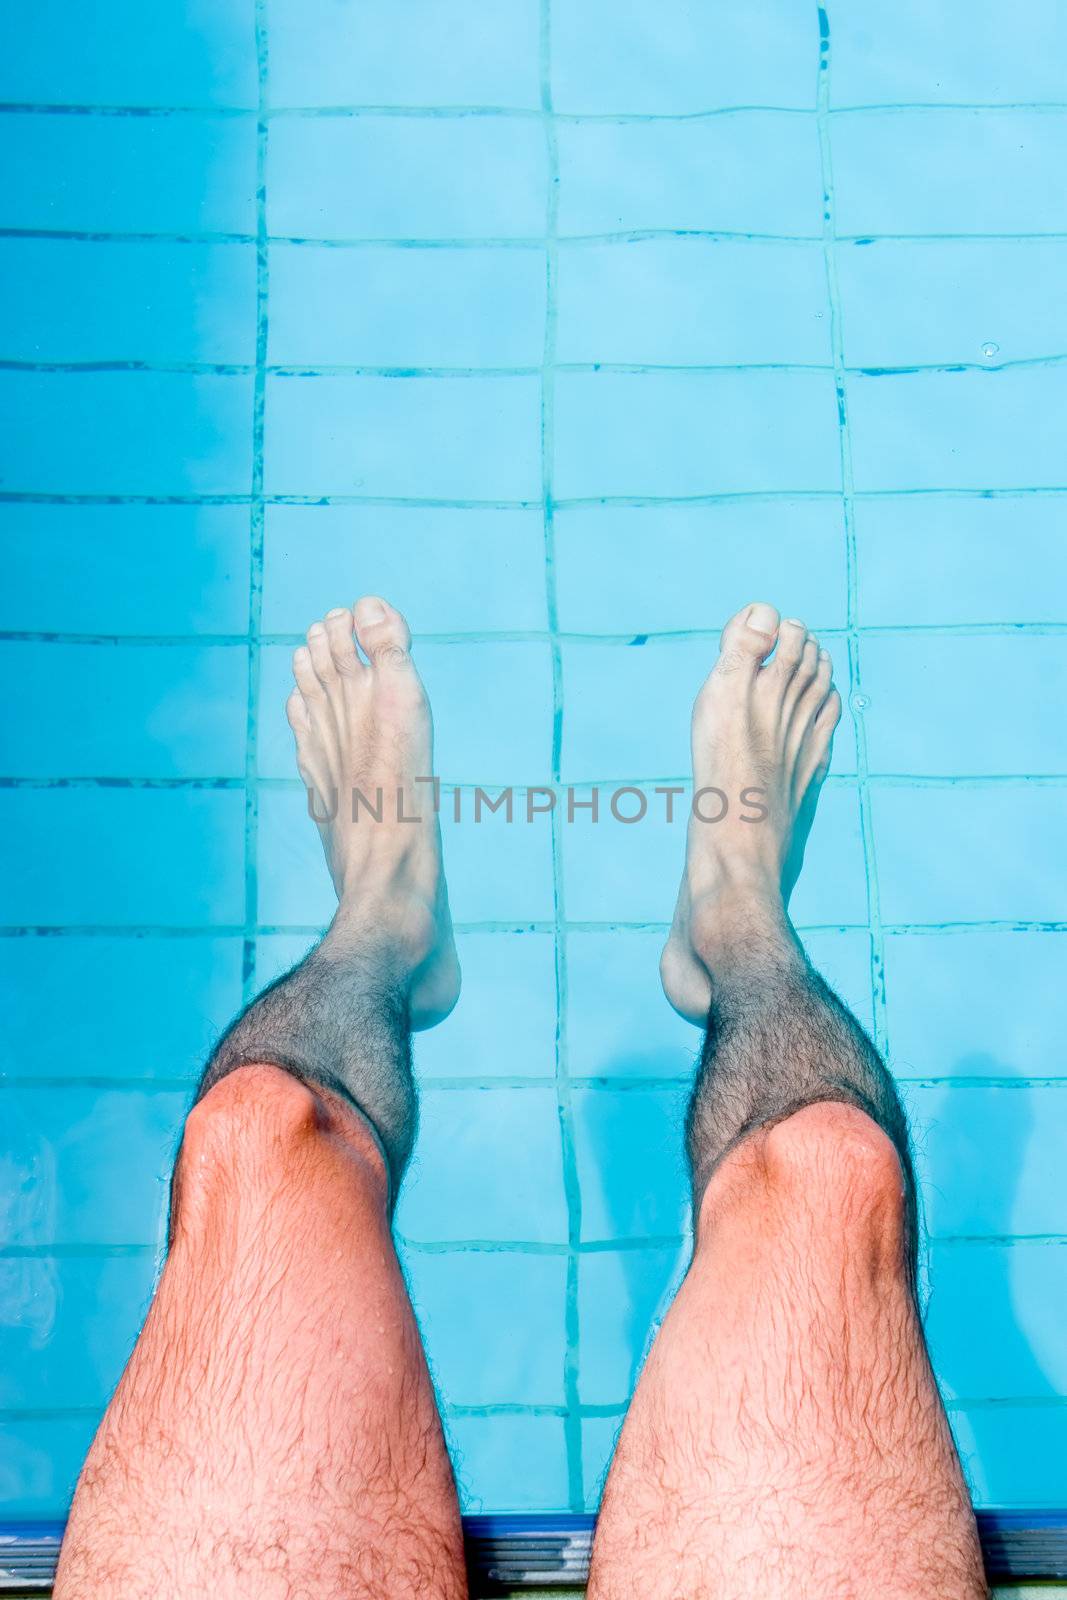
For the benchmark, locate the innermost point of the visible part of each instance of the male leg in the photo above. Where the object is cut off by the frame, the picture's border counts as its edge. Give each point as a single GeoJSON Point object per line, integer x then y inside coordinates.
{"type": "Point", "coordinates": [275, 1434]}
{"type": "Point", "coordinates": [786, 1438]}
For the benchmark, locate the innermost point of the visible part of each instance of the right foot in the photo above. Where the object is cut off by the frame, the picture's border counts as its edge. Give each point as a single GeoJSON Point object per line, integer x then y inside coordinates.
{"type": "Point", "coordinates": [362, 722]}
{"type": "Point", "coordinates": [756, 724]}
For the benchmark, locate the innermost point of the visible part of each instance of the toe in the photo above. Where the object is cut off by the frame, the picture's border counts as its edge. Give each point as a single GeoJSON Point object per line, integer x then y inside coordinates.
{"type": "Point", "coordinates": [829, 715]}
{"type": "Point", "coordinates": [321, 659]}
{"type": "Point", "coordinates": [807, 665]}
{"type": "Point", "coordinates": [321, 722]}
{"type": "Point", "coordinates": [341, 642]}
{"type": "Point", "coordinates": [383, 634]}
{"type": "Point", "coordinates": [296, 711]}
{"type": "Point", "coordinates": [822, 736]}
{"type": "Point", "coordinates": [748, 638]}
{"type": "Point", "coordinates": [307, 679]}
{"type": "Point", "coordinates": [808, 690]}
{"type": "Point", "coordinates": [309, 716]}
{"type": "Point", "coordinates": [792, 639]}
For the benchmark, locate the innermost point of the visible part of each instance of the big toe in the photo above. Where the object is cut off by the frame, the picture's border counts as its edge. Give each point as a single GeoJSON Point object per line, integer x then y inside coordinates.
{"type": "Point", "coordinates": [748, 638]}
{"type": "Point", "coordinates": [384, 636]}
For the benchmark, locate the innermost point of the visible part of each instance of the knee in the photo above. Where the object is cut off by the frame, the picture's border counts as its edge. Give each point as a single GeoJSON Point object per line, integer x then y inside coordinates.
{"type": "Point", "coordinates": [253, 1124]}
{"type": "Point", "coordinates": [829, 1168]}
{"type": "Point", "coordinates": [260, 1139]}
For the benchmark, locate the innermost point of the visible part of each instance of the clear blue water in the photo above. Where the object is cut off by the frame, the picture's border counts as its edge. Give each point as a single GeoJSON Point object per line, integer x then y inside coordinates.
{"type": "Point", "coordinates": [571, 327]}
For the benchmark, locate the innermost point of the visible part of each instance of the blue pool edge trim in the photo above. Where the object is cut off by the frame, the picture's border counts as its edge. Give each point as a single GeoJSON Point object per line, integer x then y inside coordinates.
{"type": "Point", "coordinates": [545, 1550]}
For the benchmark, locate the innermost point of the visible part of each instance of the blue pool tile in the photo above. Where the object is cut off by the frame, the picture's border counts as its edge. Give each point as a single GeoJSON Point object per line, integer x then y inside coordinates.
{"type": "Point", "coordinates": [1011, 1291]}
{"type": "Point", "coordinates": [943, 172]}
{"type": "Point", "coordinates": [672, 57]}
{"type": "Point", "coordinates": [685, 433]}
{"type": "Point", "coordinates": [628, 1144]}
{"type": "Point", "coordinates": [756, 172]}
{"type": "Point", "coordinates": [916, 559]}
{"type": "Point", "coordinates": [965, 854]}
{"type": "Point", "coordinates": [622, 872]}
{"type": "Point", "coordinates": [988, 714]}
{"type": "Point", "coordinates": [420, 178]}
{"type": "Point", "coordinates": [121, 856]}
{"type": "Point", "coordinates": [91, 1166]}
{"type": "Point", "coordinates": [278, 953]}
{"type": "Point", "coordinates": [505, 1021]}
{"type": "Point", "coordinates": [492, 1322]}
{"type": "Point", "coordinates": [599, 1435]}
{"type": "Point", "coordinates": [390, 307]}
{"type": "Point", "coordinates": [124, 53]}
{"type": "Point", "coordinates": [463, 438]}
{"type": "Point", "coordinates": [510, 1463]}
{"type": "Point", "coordinates": [693, 302]}
{"type": "Point", "coordinates": [497, 871]}
{"type": "Point", "coordinates": [115, 1006]}
{"type": "Point", "coordinates": [619, 1024]}
{"type": "Point", "coordinates": [628, 872]}
{"type": "Point", "coordinates": [40, 1458]}
{"type": "Point", "coordinates": [428, 54]}
{"type": "Point", "coordinates": [959, 430]}
{"type": "Point", "coordinates": [125, 569]}
{"type": "Point", "coordinates": [170, 711]}
{"type": "Point", "coordinates": [638, 569]}
{"type": "Point", "coordinates": [947, 1016]}
{"type": "Point", "coordinates": [127, 300]}
{"type": "Point", "coordinates": [1014, 1455]}
{"type": "Point", "coordinates": [832, 888]}
{"type": "Point", "coordinates": [990, 1159]}
{"type": "Point", "coordinates": [127, 432]}
{"type": "Point", "coordinates": [110, 174]}
{"type": "Point", "coordinates": [627, 711]}
{"type": "Point", "coordinates": [509, 741]}
{"type": "Point", "coordinates": [978, 294]}
{"type": "Point", "coordinates": [620, 1292]}
{"type": "Point", "coordinates": [293, 882]}
{"type": "Point", "coordinates": [486, 1167]}
{"type": "Point", "coordinates": [914, 52]}
{"type": "Point", "coordinates": [317, 557]}
{"type": "Point", "coordinates": [67, 1326]}
{"type": "Point", "coordinates": [833, 885]}
{"type": "Point", "coordinates": [843, 957]}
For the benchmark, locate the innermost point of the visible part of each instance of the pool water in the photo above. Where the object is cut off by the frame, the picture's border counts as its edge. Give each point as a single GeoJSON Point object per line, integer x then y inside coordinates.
{"type": "Point", "coordinates": [571, 327]}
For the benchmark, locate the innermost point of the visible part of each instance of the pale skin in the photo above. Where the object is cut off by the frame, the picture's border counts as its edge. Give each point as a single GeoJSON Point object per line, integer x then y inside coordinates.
{"type": "Point", "coordinates": [275, 1434]}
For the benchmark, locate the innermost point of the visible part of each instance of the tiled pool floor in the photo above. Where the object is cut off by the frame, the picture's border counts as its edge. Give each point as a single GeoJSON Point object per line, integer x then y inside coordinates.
{"type": "Point", "coordinates": [571, 328]}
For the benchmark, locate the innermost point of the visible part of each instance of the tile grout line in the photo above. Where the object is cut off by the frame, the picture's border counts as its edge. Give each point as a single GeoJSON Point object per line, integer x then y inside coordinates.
{"type": "Point", "coordinates": [856, 697]}
{"type": "Point", "coordinates": [572, 1423]}
{"type": "Point", "coordinates": [92, 1250]}
{"type": "Point", "coordinates": [514, 241]}
{"type": "Point", "coordinates": [355, 109]}
{"type": "Point", "coordinates": [223, 930]}
{"type": "Point", "coordinates": [256, 522]}
{"type": "Point", "coordinates": [126, 365]}
{"type": "Point", "coordinates": [471, 636]}
{"type": "Point", "coordinates": [565, 503]}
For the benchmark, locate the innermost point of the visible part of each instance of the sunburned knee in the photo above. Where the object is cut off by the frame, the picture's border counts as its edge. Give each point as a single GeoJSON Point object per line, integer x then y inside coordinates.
{"type": "Point", "coordinates": [829, 1166]}
{"type": "Point", "coordinates": [253, 1128]}
{"type": "Point", "coordinates": [253, 1106]}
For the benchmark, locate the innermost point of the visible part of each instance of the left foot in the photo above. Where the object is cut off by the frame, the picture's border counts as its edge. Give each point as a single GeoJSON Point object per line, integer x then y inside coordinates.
{"type": "Point", "coordinates": [362, 722]}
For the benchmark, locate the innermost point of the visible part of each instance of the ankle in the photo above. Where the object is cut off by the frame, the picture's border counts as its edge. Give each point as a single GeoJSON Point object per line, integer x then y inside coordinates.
{"type": "Point", "coordinates": [392, 933]}
{"type": "Point", "coordinates": [743, 916]}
